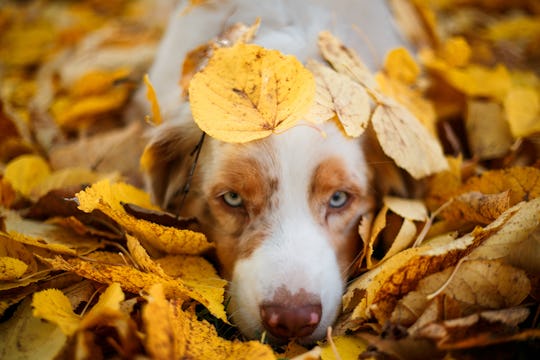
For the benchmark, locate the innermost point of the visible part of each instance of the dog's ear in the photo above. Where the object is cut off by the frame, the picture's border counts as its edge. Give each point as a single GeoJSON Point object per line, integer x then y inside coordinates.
{"type": "Point", "coordinates": [167, 160]}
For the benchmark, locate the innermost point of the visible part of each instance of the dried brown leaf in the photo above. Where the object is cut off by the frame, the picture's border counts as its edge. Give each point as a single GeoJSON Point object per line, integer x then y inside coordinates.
{"type": "Point", "coordinates": [488, 132]}
{"type": "Point", "coordinates": [474, 286]}
{"type": "Point", "coordinates": [406, 141]}
{"type": "Point", "coordinates": [476, 207]}
{"type": "Point", "coordinates": [375, 293]}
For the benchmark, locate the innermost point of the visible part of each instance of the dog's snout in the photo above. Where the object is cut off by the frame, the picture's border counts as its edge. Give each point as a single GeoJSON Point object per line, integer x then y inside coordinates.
{"type": "Point", "coordinates": [286, 322]}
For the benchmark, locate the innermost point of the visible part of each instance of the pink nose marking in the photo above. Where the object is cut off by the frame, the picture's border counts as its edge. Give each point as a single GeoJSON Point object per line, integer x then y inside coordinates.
{"type": "Point", "coordinates": [291, 316]}
{"type": "Point", "coordinates": [314, 319]}
{"type": "Point", "coordinates": [288, 323]}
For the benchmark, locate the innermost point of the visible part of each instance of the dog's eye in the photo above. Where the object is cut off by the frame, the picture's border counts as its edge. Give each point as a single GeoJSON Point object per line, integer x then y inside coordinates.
{"type": "Point", "coordinates": [233, 199]}
{"type": "Point", "coordinates": [338, 199]}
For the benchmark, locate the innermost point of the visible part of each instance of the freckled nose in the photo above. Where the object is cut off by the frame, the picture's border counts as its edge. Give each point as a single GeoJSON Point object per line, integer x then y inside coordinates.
{"type": "Point", "coordinates": [288, 322]}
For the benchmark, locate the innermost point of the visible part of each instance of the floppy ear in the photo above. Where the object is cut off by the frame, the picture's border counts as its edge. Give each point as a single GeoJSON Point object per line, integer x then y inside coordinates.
{"type": "Point", "coordinates": [167, 160]}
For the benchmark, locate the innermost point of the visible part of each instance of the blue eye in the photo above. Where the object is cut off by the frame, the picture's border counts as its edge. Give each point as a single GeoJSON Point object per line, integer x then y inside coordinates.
{"type": "Point", "coordinates": [338, 199]}
{"type": "Point", "coordinates": [233, 199]}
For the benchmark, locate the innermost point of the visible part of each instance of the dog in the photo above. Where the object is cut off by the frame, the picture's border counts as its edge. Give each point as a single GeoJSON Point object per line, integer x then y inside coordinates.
{"type": "Point", "coordinates": [283, 211]}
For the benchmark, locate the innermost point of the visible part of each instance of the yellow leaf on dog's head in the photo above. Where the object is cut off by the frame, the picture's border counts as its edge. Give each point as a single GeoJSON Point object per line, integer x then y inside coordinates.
{"type": "Point", "coordinates": [247, 92]}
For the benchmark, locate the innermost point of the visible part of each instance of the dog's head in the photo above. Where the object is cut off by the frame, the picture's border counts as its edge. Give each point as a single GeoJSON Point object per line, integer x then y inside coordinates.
{"type": "Point", "coordinates": [283, 213]}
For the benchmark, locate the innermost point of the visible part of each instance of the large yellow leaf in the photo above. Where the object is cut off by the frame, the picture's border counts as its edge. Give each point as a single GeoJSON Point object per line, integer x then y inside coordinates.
{"type": "Point", "coordinates": [247, 92]}
{"type": "Point", "coordinates": [112, 195]}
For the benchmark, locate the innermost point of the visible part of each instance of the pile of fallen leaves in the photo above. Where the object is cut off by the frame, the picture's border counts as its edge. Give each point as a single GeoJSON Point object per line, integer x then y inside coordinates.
{"type": "Point", "coordinates": [89, 268]}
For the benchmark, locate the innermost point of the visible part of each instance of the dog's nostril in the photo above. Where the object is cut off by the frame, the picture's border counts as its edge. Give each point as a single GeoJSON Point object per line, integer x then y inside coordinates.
{"type": "Point", "coordinates": [288, 322]}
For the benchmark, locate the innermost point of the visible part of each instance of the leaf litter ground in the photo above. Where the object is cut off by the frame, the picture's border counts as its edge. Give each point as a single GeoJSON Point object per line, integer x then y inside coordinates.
{"type": "Point", "coordinates": [454, 272]}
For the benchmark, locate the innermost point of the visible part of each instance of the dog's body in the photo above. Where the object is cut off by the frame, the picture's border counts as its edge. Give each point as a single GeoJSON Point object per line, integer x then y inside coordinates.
{"type": "Point", "coordinates": [283, 211]}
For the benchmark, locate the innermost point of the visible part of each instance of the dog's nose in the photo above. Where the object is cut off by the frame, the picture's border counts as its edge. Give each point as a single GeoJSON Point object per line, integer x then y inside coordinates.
{"type": "Point", "coordinates": [286, 322]}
